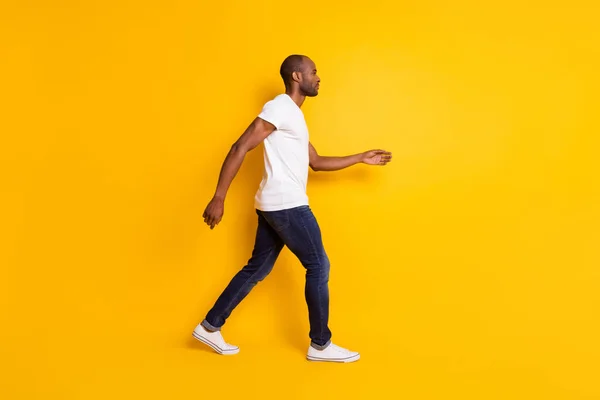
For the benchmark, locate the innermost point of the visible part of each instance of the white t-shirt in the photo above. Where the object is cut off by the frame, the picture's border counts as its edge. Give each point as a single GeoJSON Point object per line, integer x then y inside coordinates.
{"type": "Point", "coordinates": [285, 157]}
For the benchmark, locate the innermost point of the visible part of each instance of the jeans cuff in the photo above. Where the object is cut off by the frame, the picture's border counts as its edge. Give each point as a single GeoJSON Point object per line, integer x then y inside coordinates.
{"type": "Point", "coordinates": [209, 327]}
{"type": "Point", "coordinates": [319, 347]}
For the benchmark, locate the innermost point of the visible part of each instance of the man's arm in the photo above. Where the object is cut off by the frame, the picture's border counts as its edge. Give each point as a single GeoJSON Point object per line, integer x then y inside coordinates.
{"type": "Point", "coordinates": [371, 157]}
{"type": "Point", "coordinates": [256, 132]}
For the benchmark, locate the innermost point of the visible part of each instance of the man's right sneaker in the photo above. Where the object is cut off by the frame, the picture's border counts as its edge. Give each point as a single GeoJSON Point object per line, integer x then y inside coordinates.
{"type": "Point", "coordinates": [215, 341]}
{"type": "Point", "coordinates": [332, 353]}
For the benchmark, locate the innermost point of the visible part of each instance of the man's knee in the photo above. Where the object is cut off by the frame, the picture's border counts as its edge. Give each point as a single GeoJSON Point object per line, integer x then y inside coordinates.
{"type": "Point", "coordinates": [325, 267]}
{"type": "Point", "coordinates": [320, 268]}
{"type": "Point", "coordinates": [262, 272]}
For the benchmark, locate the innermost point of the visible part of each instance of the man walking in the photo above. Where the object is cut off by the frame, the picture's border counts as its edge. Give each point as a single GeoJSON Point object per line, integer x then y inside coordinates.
{"type": "Point", "coordinates": [284, 216]}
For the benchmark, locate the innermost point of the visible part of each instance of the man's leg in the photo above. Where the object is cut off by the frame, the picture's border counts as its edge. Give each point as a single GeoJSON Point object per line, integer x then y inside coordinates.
{"type": "Point", "coordinates": [267, 247]}
{"type": "Point", "coordinates": [301, 233]}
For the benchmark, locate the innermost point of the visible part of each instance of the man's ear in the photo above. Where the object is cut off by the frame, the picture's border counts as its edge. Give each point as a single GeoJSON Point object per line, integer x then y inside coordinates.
{"type": "Point", "coordinates": [296, 76]}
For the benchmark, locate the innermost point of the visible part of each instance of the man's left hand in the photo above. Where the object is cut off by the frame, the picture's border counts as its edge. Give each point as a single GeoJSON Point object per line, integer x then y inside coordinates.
{"type": "Point", "coordinates": [377, 157]}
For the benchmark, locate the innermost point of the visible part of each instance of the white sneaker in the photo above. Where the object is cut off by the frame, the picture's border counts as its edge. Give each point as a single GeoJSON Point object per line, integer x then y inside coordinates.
{"type": "Point", "coordinates": [214, 340]}
{"type": "Point", "coordinates": [332, 353]}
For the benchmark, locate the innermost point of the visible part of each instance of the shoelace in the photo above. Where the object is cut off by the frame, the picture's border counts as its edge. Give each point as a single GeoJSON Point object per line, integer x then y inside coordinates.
{"type": "Point", "coordinates": [218, 338]}
{"type": "Point", "coordinates": [340, 349]}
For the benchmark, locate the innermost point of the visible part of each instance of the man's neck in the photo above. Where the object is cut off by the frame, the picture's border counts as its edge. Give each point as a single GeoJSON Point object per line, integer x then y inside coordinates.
{"type": "Point", "coordinates": [297, 97]}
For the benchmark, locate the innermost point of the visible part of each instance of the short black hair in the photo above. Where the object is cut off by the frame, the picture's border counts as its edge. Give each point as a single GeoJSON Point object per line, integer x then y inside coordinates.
{"type": "Point", "coordinates": [292, 63]}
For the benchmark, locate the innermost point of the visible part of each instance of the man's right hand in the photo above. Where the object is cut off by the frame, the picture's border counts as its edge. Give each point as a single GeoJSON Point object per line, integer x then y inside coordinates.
{"type": "Point", "coordinates": [214, 212]}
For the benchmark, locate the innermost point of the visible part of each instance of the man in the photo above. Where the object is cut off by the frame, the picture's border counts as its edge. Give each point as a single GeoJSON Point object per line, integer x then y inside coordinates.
{"type": "Point", "coordinates": [284, 217]}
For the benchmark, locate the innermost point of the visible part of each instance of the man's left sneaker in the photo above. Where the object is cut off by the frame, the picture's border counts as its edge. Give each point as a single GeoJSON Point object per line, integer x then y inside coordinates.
{"type": "Point", "coordinates": [332, 353]}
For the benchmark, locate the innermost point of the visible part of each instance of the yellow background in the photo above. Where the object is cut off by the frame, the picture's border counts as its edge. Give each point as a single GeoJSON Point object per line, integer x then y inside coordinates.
{"type": "Point", "coordinates": [465, 269]}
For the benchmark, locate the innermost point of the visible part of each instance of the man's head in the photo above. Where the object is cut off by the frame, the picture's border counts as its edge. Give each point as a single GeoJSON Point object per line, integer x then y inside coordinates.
{"type": "Point", "coordinates": [300, 73]}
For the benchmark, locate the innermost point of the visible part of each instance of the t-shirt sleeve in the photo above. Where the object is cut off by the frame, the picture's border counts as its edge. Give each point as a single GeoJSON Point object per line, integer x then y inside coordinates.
{"type": "Point", "coordinates": [274, 112]}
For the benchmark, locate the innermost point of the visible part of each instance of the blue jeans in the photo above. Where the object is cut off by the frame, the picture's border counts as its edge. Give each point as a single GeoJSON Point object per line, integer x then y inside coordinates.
{"type": "Point", "coordinates": [296, 228]}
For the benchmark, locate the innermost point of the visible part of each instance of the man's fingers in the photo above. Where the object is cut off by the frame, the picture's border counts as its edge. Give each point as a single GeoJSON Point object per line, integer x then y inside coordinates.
{"type": "Point", "coordinates": [382, 153]}
{"type": "Point", "coordinates": [215, 221]}
{"type": "Point", "coordinates": [212, 220]}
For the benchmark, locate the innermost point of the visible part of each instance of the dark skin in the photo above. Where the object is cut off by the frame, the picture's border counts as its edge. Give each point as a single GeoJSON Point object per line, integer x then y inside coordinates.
{"type": "Point", "coordinates": [305, 83]}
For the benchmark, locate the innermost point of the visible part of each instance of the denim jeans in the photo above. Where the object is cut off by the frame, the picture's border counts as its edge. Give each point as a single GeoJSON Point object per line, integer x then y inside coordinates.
{"type": "Point", "coordinates": [296, 228]}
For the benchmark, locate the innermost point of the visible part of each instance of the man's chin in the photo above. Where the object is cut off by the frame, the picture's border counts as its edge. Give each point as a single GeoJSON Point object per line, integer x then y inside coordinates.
{"type": "Point", "coordinates": [314, 93]}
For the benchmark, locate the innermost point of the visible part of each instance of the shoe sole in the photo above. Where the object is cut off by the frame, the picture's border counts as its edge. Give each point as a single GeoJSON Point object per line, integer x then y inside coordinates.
{"type": "Point", "coordinates": [214, 346]}
{"type": "Point", "coordinates": [339, 360]}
